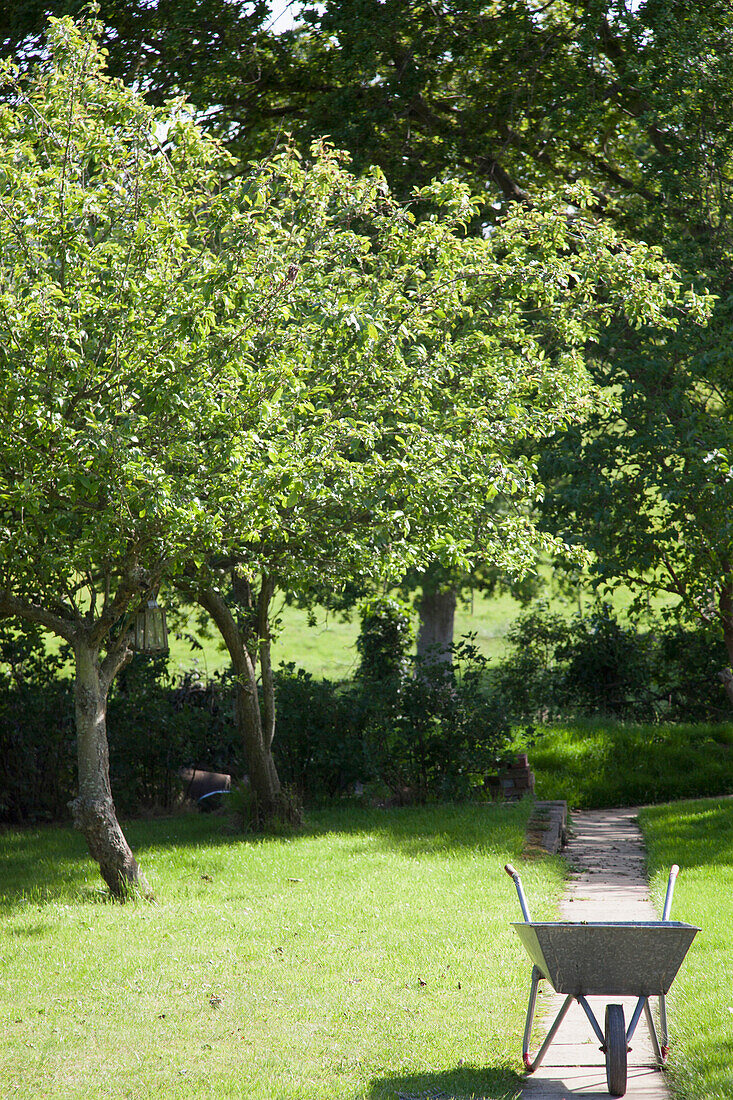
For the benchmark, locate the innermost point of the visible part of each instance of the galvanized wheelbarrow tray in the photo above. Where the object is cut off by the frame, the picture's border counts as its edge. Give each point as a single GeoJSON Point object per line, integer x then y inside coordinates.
{"type": "Point", "coordinates": [605, 958]}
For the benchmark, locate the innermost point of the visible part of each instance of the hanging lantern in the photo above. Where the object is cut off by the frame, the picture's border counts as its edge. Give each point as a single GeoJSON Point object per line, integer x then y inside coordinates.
{"type": "Point", "coordinates": [151, 633]}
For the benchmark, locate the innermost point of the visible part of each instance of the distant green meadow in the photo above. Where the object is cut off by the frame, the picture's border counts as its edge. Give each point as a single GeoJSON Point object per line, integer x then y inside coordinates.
{"type": "Point", "coordinates": [327, 649]}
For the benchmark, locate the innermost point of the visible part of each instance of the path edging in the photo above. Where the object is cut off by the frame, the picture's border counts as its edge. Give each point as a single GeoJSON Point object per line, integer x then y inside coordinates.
{"type": "Point", "coordinates": [546, 829]}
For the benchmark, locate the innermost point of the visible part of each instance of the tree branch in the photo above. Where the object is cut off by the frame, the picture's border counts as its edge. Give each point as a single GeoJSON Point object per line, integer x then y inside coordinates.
{"type": "Point", "coordinates": [25, 609]}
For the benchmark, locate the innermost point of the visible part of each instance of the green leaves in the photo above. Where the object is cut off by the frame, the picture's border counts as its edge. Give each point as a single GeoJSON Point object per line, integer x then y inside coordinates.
{"type": "Point", "coordinates": [282, 365]}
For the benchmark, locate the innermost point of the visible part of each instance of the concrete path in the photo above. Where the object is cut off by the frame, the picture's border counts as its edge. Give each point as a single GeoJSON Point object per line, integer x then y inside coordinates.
{"type": "Point", "coordinates": [606, 854]}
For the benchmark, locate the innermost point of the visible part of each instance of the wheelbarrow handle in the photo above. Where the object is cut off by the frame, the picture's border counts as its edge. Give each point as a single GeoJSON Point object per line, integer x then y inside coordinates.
{"type": "Point", "coordinates": [674, 871]}
{"type": "Point", "coordinates": [520, 892]}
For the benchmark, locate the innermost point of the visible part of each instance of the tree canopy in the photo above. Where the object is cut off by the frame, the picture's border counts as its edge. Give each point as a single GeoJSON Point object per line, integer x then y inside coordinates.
{"type": "Point", "coordinates": [279, 367]}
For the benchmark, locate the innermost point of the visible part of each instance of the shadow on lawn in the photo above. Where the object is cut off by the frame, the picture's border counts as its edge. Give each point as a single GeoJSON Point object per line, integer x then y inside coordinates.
{"type": "Point", "coordinates": [435, 829]}
{"type": "Point", "coordinates": [51, 863]}
{"type": "Point", "coordinates": [461, 1083]}
{"type": "Point", "coordinates": [42, 864]}
{"type": "Point", "coordinates": [697, 834]}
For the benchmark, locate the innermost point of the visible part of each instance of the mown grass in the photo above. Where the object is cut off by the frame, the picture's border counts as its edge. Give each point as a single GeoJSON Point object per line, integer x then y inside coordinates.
{"type": "Point", "coordinates": [368, 956]}
{"type": "Point", "coordinates": [601, 764]}
{"type": "Point", "coordinates": [699, 837]}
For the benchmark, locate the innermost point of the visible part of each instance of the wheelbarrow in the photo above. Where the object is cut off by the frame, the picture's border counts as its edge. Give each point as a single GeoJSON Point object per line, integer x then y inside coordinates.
{"type": "Point", "coordinates": [605, 958]}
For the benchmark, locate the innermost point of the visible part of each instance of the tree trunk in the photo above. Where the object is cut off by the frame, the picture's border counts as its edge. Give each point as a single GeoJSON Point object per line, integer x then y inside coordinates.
{"type": "Point", "coordinates": [725, 606]}
{"type": "Point", "coordinates": [268, 683]}
{"type": "Point", "coordinates": [93, 809]}
{"type": "Point", "coordinates": [263, 778]}
{"type": "Point", "coordinates": [437, 611]}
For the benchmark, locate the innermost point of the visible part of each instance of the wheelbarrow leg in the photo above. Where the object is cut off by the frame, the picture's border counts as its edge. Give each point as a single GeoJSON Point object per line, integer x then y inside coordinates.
{"type": "Point", "coordinates": [536, 975]}
{"type": "Point", "coordinates": [660, 1050]}
{"type": "Point", "coordinates": [530, 1065]}
{"type": "Point", "coordinates": [663, 1032]}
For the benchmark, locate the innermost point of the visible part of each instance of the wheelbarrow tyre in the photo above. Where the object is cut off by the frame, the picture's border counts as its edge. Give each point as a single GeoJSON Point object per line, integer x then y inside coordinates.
{"type": "Point", "coordinates": [615, 1035]}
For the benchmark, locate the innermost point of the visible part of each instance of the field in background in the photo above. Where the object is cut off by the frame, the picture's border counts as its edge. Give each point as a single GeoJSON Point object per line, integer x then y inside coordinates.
{"type": "Point", "coordinates": [327, 650]}
{"type": "Point", "coordinates": [367, 957]}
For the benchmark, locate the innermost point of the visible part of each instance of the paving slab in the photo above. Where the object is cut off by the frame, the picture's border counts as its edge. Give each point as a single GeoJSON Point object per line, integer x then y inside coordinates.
{"type": "Point", "coordinates": [608, 882]}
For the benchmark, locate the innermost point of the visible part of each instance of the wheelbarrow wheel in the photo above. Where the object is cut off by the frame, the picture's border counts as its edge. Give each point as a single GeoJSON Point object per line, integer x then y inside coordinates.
{"type": "Point", "coordinates": [615, 1045]}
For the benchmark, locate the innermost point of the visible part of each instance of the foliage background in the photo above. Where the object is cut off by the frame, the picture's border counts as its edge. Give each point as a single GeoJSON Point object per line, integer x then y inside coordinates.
{"type": "Point", "coordinates": [414, 734]}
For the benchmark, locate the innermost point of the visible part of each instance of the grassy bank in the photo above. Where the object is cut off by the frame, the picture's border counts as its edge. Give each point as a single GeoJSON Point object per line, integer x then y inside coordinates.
{"type": "Point", "coordinates": [699, 837]}
{"type": "Point", "coordinates": [600, 764]}
{"type": "Point", "coordinates": [368, 956]}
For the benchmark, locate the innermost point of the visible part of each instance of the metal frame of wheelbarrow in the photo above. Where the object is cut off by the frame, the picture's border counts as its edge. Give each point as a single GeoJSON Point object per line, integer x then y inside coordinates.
{"type": "Point", "coordinates": [637, 958]}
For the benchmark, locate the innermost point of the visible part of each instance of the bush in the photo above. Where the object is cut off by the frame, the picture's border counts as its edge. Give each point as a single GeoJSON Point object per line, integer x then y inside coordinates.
{"type": "Point", "coordinates": [155, 727]}
{"type": "Point", "coordinates": [37, 752]}
{"type": "Point", "coordinates": [531, 679]}
{"type": "Point", "coordinates": [436, 732]}
{"type": "Point", "coordinates": [318, 747]}
{"type": "Point", "coordinates": [417, 729]}
{"type": "Point", "coordinates": [685, 667]}
{"type": "Point", "coordinates": [596, 665]}
{"type": "Point", "coordinates": [37, 737]}
{"type": "Point", "coordinates": [605, 668]}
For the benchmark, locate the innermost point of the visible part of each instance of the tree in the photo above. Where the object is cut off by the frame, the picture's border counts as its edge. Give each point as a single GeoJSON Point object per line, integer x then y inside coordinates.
{"type": "Point", "coordinates": [647, 486]}
{"type": "Point", "coordinates": [125, 406]}
{"type": "Point", "coordinates": [637, 102]}
{"type": "Point", "coordinates": [241, 75]}
{"type": "Point", "coordinates": [290, 375]}
{"type": "Point", "coordinates": [514, 96]}
{"type": "Point", "coordinates": [419, 368]}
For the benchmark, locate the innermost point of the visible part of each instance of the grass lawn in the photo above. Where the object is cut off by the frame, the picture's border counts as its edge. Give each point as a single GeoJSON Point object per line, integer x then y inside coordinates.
{"type": "Point", "coordinates": [699, 837]}
{"type": "Point", "coordinates": [367, 956]}
{"type": "Point", "coordinates": [600, 764]}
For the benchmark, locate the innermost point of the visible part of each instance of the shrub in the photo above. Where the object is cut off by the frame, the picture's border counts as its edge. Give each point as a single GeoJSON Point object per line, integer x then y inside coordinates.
{"type": "Point", "coordinates": [436, 732]}
{"type": "Point", "coordinates": [37, 737]}
{"type": "Point", "coordinates": [531, 679]}
{"type": "Point", "coordinates": [318, 748]}
{"type": "Point", "coordinates": [605, 668]}
{"type": "Point", "coordinates": [685, 664]}
{"type": "Point", "coordinates": [37, 752]}
{"type": "Point", "coordinates": [597, 665]}
{"type": "Point", "coordinates": [157, 725]}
